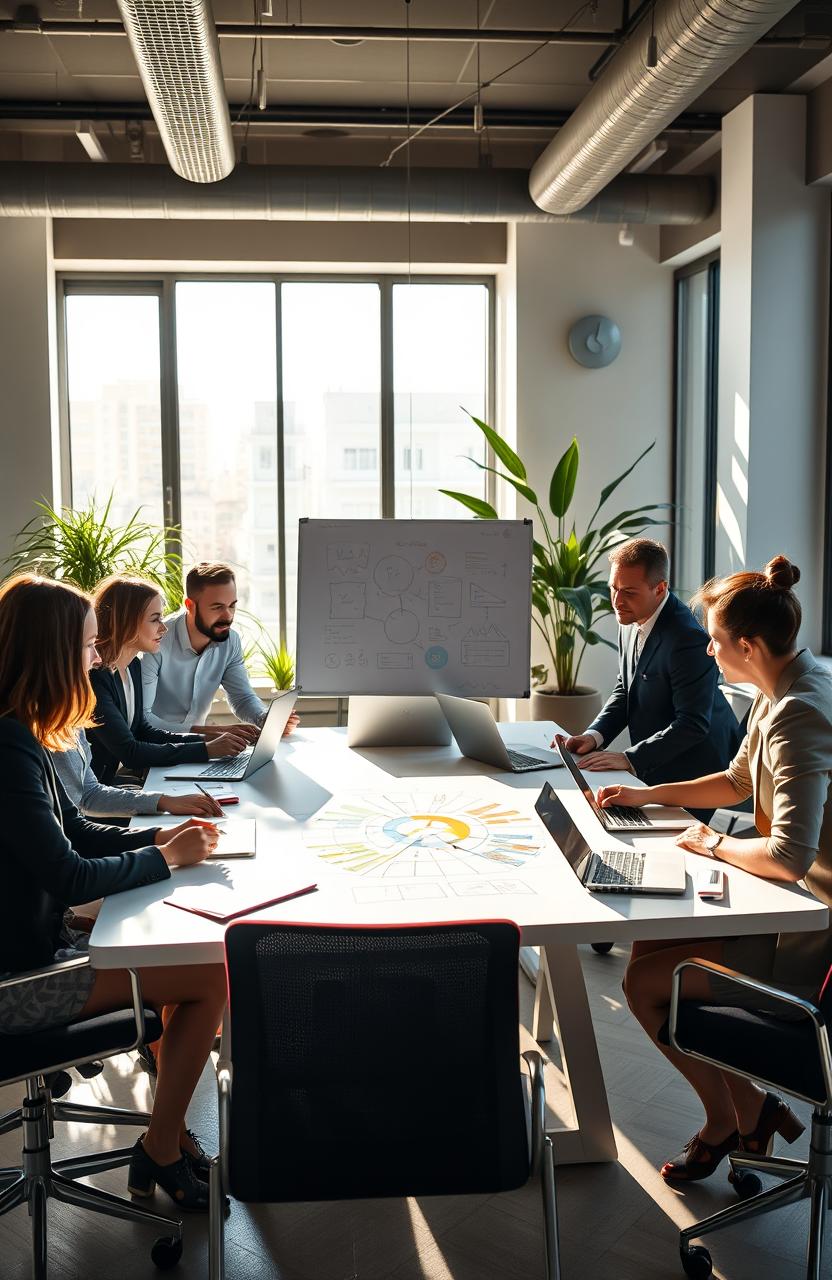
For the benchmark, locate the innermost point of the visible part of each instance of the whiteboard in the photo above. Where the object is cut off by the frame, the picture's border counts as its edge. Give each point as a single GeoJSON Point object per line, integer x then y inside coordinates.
{"type": "Point", "coordinates": [414, 607]}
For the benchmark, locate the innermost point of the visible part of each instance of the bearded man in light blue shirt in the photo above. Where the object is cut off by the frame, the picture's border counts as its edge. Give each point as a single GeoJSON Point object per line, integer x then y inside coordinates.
{"type": "Point", "coordinates": [199, 654]}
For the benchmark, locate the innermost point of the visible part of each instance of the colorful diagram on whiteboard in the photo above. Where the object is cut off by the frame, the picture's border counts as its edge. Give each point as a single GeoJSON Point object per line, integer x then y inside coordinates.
{"type": "Point", "coordinates": [411, 835]}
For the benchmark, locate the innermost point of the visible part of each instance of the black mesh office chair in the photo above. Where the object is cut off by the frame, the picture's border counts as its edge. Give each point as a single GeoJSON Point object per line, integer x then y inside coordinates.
{"type": "Point", "coordinates": [375, 1062]}
{"type": "Point", "coordinates": [32, 1056]}
{"type": "Point", "coordinates": [793, 1056]}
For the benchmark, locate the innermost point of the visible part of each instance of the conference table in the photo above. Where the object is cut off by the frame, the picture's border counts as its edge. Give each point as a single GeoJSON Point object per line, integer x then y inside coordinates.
{"type": "Point", "coordinates": [424, 835]}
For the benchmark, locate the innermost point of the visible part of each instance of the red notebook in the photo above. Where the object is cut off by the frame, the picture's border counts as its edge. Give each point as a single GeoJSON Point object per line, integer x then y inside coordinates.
{"type": "Point", "coordinates": [223, 903]}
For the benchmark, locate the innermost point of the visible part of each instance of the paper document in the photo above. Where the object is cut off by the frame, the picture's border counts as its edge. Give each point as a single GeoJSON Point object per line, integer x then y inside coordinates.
{"type": "Point", "coordinates": [222, 902]}
{"type": "Point", "coordinates": [238, 838]}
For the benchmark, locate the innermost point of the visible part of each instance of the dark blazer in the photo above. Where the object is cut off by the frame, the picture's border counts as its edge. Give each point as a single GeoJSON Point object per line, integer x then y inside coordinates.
{"type": "Point", "coordinates": [137, 745]}
{"type": "Point", "coordinates": [52, 857]}
{"type": "Point", "coordinates": [680, 725]}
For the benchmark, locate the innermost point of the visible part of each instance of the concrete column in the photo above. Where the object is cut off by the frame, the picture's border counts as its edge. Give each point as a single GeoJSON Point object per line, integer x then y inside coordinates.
{"type": "Point", "coordinates": [772, 347]}
{"type": "Point", "coordinates": [29, 468]}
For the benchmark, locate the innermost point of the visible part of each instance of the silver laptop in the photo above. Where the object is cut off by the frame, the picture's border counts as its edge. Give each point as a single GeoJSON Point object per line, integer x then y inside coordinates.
{"type": "Point", "coordinates": [616, 870]}
{"type": "Point", "coordinates": [238, 768]}
{"type": "Point", "coordinates": [396, 722]}
{"type": "Point", "coordinates": [619, 817]}
{"type": "Point", "coordinates": [477, 736]}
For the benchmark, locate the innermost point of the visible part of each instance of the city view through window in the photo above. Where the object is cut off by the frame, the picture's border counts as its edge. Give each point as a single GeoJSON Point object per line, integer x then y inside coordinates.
{"type": "Point", "coordinates": [228, 373]}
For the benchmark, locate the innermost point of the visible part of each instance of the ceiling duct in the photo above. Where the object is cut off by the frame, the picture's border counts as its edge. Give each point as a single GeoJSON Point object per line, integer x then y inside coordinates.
{"type": "Point", "coordinates": [339, 193]}
{"type": "Point", "coordinates": [631, 103]}
{"type": "Point", "coordinates": [177, 53]}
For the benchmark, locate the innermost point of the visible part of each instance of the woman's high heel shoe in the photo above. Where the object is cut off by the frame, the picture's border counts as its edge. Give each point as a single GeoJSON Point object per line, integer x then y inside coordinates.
{"type": "Point", "coordinates": [698, 1159]}
{"type": "Point", "coordinates": [180, 1182]}
{"type": "Point", "coordinates": [775, 1117]}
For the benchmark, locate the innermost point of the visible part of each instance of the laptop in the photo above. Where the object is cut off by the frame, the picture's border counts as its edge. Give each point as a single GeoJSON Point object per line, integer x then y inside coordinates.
{"type": "Point", "coordinates": [238, 768]}
{"type": "Point", "coordinates": [616, 870]}
{"type": "Point", "coordinates": [477, 736]}
{"type": "Point", "coordinates": [619, 817]}
{"type": "Point", "coordinates": [376, 721]}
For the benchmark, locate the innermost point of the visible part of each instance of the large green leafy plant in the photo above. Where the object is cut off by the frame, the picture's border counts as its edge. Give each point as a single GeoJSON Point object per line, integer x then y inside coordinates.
{"type": "Point", "coordinates": [81, 546]}
{"type": "Point", "coordinates": [569, 588]}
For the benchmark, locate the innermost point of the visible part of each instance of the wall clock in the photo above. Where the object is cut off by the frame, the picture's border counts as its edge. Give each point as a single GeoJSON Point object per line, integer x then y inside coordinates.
{"type": "Point", "coordinates": [594, 341]}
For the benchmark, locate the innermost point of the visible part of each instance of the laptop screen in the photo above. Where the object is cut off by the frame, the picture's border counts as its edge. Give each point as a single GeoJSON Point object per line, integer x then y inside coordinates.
{"type": "Point", "coordinates": [561, 827]}
{"type": "Point", "coordinates": [579, 776]}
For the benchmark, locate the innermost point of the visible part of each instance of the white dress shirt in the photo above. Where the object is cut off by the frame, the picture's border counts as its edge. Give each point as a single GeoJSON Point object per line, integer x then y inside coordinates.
{"type": "Point", "coordinates": [643, 630]}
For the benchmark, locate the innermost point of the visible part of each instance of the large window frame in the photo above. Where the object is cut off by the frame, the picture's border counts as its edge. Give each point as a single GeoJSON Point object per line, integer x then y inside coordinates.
{"type": "Point", "coordinates": [163, 286]}
{"type": "Point", "coordinates": [709, 264]}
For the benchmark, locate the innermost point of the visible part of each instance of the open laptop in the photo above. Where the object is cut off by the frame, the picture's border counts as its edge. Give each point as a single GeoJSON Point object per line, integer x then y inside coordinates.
{"type": "Point", "coordinates": [613, 871]}
{"type": "Point", "coordinates": [238, 768]}
{"type": "Point", "coordinates": [411, 721]}
{"type": "Point", "coordinates": [477, 736]}
{"type": "Point", "coordinates": [619, 817]}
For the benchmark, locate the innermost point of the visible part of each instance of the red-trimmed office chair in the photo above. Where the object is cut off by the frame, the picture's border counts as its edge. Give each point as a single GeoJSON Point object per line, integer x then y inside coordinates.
{"type": "Point", "coordinates": [793, 1056]}
{"type": "Point", "coordinates": [376, 1062]}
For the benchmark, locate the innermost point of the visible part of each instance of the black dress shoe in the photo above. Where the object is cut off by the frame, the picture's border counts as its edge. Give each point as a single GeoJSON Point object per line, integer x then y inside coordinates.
{"type": "Point", "coordinates": [775, 1117]}
{"type": "Point", "coordinates": [178, 1180]}
{"type": "Point", "coordinates": [698, 1159]}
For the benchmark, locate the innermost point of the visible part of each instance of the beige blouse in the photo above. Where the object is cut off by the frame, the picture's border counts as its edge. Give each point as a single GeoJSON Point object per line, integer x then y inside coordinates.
{"type": "Point", "coordinates": [785, 762]}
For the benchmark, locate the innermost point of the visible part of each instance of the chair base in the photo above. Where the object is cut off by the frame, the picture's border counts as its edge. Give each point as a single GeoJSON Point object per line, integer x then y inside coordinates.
{"type": "Point", "coordinates": [38, 1178]}
{"type": "Point", "coordinates": [811, 1180]}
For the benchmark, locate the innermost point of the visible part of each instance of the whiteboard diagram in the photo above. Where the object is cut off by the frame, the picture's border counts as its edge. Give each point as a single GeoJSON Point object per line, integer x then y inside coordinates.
{"type": "Point", "coordinates": [414, 607]}
{"type": "Point", "coordinates": [423, 838]}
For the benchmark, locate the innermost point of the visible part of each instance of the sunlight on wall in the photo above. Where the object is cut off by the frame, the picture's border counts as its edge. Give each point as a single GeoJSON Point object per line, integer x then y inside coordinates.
{"type": "Point", "coordinates": [740, 481]}
{"type": "Point", "coordinates": [726, 519]}
{"type": "Point", "coordinates": [742, 425]}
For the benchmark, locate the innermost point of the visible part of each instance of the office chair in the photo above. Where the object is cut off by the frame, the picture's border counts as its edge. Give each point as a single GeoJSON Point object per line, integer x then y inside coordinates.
{"type": "Point", "coordinates": [790, 1055]}
{"type": "Point", "coordinates": [32, 1056]}
{"type": "Point", "coordinates": [378, 1061]}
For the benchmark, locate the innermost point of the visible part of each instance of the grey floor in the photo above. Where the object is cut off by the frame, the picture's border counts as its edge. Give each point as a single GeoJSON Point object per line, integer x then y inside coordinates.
{"type": "Point", "coordinates": [618, 1221]}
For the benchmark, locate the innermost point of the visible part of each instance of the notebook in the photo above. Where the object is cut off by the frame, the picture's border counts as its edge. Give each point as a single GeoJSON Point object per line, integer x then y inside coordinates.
{"type": "Point", "coordinates": [222, 902]}
{"type": "Point", "coordinates": [238, 838]}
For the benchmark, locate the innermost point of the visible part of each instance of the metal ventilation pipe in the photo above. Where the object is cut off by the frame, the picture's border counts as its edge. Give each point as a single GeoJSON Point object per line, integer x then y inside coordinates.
{"type": "Point", "coordinates": [175, 46]}
{"type": "Point", "coordinates": [697, 41]}
{"type": "Point", "coordinates": [297, 193]}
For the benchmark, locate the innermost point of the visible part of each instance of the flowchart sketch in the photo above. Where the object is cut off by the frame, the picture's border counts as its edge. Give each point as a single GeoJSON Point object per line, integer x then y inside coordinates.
{"type": "Point", "coordinates": [347, 599]}
{"type": "Point", "coordinates": [414, 607]}
{"type": "Point", "coordinates": [410, 837]}
{"type": "Point", "coordinates": [485, 647]}
{"type": "Point", "coordinates": [445, 598]}
{"type": "Point", "coordinates": [348, 558]}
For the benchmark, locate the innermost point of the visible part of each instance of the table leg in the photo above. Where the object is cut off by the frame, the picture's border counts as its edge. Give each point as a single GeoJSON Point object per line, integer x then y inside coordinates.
{"type": "Point", "coordinates": [561, 993]}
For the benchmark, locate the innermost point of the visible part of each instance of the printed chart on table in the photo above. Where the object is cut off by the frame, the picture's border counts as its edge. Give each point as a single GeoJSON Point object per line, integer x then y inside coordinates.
{"type": "Point", "coordinates": [425, 844]}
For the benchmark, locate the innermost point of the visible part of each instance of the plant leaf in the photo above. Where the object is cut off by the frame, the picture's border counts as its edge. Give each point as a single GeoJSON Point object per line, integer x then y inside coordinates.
{"type": "Point", "coordinates": [578, 599]}
{"type": "Point", "coordinates": [480, 508]}
{"type": "Point", "coordinates": [503, 451]}
{"type": "Point", "coordinates": [562, 486]}
{"type": "Point", "coordinates": [528, 494]}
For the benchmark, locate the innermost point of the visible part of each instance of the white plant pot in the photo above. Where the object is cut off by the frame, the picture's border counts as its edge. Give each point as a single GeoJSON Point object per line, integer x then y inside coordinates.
{"type": "Point", "coordinates": [572, 711]}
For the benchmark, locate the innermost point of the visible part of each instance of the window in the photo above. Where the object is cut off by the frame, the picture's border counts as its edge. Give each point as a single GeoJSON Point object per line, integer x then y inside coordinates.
{"type": "Point", "coordinates": [697, 339]}
{"type": "Point", "coordinates": [234, 407]}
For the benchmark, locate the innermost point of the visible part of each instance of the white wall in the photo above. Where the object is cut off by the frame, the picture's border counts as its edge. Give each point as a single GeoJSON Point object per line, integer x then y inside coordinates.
{"type": "Point", "coordinates": [772, 365]}
{"type": "Point", "coordinates": [563, 273]}
{"type": "Point", "coordinates": [29, 463]}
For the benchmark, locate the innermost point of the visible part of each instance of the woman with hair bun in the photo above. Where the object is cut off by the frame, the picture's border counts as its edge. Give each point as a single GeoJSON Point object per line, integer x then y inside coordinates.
{"type": "Point", "coordinates": [785, 764]}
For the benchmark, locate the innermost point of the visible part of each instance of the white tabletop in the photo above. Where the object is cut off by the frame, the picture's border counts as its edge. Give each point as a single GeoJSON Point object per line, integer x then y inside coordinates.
{"type": "Point", "coordinates": [542, 894]}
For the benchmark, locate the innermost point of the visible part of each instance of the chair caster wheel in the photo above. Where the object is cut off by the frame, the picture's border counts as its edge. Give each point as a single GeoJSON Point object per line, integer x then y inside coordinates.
{"type": "Point", "coordinates": [696, 1262]}
{"type": "Point", "coordinates": [166, 1252]}
{"type": "Point", "coordinates": [58, 1083]}
{"type": "Point", "coordinates": [601, 948]}
{"type": "Point", "coordinates": [746, 1184]}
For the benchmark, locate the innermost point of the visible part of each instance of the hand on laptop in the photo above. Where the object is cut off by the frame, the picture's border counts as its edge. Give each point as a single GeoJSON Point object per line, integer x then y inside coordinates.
{"type": "Point", "coordinates": [606, 761]}
{"type": "Point", "coordinates": [291, 723]}
{"type": "Point", "coordinates": [229, 743]}
{"type": "Point", "coordinates": [631, 797]}
{"type": "Point", "coordinates": [248, 732]}
{"type": "Point", "coordinates": [579, 744]}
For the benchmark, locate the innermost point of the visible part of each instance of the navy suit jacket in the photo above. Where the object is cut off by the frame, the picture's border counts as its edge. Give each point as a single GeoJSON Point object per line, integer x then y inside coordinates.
{"type": "Point", "coordinates": [679, 723]}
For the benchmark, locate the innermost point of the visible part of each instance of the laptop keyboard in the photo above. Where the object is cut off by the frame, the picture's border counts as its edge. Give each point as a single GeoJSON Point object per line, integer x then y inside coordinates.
{"type": "Point", "coordinates": [521, 761]}
{"type": "Point", "coordinates": [618, 869]}
{"type": "Point", "coordinates": [228, 767]}
{"type": "Point", "coordinates": [627, 817]}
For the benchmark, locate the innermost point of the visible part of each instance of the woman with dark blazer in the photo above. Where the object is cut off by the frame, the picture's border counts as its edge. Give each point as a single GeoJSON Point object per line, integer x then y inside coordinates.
{"type": "Point", "coordinates": [129, 613]}
{"type": "Point", "coordinates": [53, 859]}
{"type": "Point", "coordinates": [785, 765]}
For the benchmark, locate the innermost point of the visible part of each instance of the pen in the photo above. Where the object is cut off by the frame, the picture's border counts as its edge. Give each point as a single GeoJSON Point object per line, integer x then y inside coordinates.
{"type": "Point", "coordinates": [208, 796]}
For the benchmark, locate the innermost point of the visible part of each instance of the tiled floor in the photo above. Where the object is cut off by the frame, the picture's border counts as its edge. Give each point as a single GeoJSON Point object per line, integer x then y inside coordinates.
{"type": "Point", "coordinates": [617, 1222]}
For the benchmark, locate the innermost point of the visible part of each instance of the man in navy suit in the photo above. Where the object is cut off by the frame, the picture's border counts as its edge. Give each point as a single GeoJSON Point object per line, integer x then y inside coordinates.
{"type": "Point", "coordinates": [666, 694]}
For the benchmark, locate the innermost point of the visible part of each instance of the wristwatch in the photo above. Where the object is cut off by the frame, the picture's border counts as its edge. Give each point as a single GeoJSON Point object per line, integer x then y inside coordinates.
{"type": "Point", "coordinates": [713, 841]}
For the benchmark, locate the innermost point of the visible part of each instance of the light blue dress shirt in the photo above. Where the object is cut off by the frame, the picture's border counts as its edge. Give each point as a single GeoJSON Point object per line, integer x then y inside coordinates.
{"type": "Point", "coordinates": [89, 795]}
{"type": "Point", "coordinates": [179, 684]}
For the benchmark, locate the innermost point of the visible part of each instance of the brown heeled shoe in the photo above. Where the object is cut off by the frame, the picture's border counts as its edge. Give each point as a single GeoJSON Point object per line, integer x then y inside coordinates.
{"type": "Point", "coordinates": [698, 1159]}
{"type": "Point", "coordinates": [775, 1117]}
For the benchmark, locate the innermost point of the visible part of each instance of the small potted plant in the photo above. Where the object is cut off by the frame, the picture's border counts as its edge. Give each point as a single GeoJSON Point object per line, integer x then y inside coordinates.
{"type": "Point", "coordinates": [570, 595]}
{"type": "Point", "coordinates": [277, 664]}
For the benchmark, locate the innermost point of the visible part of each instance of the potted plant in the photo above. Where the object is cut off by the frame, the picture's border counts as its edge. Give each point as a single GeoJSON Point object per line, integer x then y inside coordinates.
{"type": "Point", "coordinates": [82, 547]}
{"type": "Point", "coordinates": [277, 664]}
{"type": "Point", "coordinates": [570, 595]}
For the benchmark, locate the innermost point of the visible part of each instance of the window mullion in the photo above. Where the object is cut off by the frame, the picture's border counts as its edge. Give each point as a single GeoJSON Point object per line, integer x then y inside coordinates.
{"type": "Point", "coordinates": [169, 400]}
{"type": "Point", "coordinates": [281, 473]}
{"type": "Point", "coordinates": [387, 402]}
